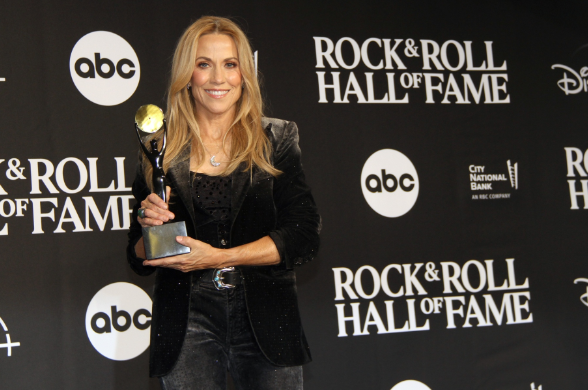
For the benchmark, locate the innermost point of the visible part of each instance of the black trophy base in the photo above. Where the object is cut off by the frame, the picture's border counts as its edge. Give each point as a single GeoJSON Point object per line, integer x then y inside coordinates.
{"type": "Point", "coordinates": [160, 241]}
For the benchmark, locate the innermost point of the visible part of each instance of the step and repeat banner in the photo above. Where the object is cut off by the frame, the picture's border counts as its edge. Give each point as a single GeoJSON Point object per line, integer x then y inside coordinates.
{"type": "Point", "coordinates": [446, 146]}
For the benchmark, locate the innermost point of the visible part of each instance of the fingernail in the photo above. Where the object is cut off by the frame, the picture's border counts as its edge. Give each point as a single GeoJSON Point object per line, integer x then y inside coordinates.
{"type": "Point", "coordinates": [179, 238]}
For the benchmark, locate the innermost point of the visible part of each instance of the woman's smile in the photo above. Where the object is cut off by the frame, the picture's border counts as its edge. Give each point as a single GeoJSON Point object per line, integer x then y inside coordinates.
{"type": "Point", "coordinates": [217, 93]}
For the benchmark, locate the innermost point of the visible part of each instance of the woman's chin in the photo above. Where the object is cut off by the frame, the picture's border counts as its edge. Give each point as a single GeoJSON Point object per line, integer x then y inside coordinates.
{"type": "Point", "coordinates": [219, 109]}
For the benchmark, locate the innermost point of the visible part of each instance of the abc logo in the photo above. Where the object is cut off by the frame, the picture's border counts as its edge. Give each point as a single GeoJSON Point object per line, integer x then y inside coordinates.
{"type": "Point", "coordinates": [105, 327]}
{"type": "Point", "coordinates": [91, 69]}
{"type": "Point", "coordinates": [104, 68]}
{"type": "Point", "coordinates": [389, 183]}
{"type": "Point", "coordinates": [118, 321]}
{"type": "Point", "coordinates": [411, 385]}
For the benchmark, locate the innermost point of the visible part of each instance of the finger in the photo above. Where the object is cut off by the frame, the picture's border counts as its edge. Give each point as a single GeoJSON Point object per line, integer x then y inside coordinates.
{"type": "Point", "coordinates": [159, 214]}
{"type": "Point", "coordinates": [167, 192]}
{"type": "Point", "coordinates": [169, 262]}
{"type": "Point", "coordinates": [148, 222]}
{"type": "Point", "coordinates": [157, 201]}
{"type": "Point", "coordinates": [154, 213]}
{"type": "Point", "coordinates": [147, 204]}
{"type": "Point", "coordinates": [186, 241]}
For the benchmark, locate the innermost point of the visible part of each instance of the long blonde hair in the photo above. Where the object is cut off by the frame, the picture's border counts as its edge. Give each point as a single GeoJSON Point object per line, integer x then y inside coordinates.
{"type": "Point", "coordinates": [249, 143]}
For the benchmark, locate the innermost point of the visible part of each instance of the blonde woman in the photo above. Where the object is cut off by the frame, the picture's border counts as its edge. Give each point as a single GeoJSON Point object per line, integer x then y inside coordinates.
{"type": "Point", "coordinates": [235, 178]}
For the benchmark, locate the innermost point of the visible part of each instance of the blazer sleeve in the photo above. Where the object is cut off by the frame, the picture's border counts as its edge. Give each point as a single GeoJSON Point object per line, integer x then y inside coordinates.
{"type": "Point", "coordinates": [298, 223]}
{"type": "Point", "coordinates": [140, 192]}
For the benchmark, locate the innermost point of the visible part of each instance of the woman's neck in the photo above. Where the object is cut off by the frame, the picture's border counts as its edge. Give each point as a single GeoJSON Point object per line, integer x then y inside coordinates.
{"type": "Point", "coordinates": [214, 127]}
{"type": "Point", "coordinates": [217, 143]}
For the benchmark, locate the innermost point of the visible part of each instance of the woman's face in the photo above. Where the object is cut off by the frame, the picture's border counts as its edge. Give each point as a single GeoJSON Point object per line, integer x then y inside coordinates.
{"type": "Point", "coordinates": [216, 80]}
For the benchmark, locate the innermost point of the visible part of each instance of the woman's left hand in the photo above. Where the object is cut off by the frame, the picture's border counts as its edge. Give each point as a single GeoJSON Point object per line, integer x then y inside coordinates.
{"type": "Point", "coordinates": [201, 256]}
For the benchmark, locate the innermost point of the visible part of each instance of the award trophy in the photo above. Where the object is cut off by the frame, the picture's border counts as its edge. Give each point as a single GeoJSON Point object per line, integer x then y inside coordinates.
{"type": "Point", "coordinates": [160, 241]}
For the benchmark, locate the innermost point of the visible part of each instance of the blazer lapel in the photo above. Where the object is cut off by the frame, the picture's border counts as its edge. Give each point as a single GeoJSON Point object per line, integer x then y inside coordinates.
{"type": "Point", "coordinates": [240, 185]}
{"type": "Point", "coordinates": [242, 181]}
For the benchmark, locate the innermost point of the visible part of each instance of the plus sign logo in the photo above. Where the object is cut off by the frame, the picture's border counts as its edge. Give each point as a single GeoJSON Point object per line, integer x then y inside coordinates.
{"type": "Point", "coordinates": [9, 344]}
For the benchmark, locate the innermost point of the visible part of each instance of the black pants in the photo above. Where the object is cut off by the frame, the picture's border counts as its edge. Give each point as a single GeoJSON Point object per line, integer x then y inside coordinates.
{"type": "Point", "coordinates": [219, 338]}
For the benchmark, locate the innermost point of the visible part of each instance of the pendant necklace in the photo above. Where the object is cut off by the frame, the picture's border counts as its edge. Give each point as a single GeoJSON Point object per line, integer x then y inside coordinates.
{"type": "Point", "coordinates": [213, 162]}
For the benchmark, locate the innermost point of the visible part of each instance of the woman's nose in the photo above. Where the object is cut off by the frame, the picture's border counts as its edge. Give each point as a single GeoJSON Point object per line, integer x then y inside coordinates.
{"type": "Point", "coordinates": [217, 75]}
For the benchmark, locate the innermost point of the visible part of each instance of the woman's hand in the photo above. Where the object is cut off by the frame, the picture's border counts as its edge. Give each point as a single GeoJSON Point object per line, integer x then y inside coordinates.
{"type": "Point", "coordinates": [204, 256]}
{"type": "Point", "coordinates": [156, 210]}
{"type": "Point", "coordinates": [201, 256]}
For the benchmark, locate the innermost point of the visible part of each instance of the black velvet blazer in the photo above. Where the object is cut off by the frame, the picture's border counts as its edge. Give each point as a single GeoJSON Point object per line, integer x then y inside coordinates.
{"type": "Point", "coordinates": [261, 205]}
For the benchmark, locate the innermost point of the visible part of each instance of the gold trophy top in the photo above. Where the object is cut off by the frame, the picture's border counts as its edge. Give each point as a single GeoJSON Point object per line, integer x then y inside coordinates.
{"type": "Point", "coordinates": [149, 118]}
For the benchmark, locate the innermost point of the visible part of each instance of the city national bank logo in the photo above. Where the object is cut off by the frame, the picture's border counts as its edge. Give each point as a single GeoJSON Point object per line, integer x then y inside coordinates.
{"type": "Point", "coordinates": [9, 344]}
{"type": "Point", "coordinates": [494, 185]}
{"type": "Point", "coordinates": [389, 183]}
{"type": "Point", "coordinates": [573, 82]}
{"type": "Point", "coordinates": [411, 385]}
{"type": "Point", "coordinates": [104, 68]}
{"type": "Point", "coordinates": [118, 321]}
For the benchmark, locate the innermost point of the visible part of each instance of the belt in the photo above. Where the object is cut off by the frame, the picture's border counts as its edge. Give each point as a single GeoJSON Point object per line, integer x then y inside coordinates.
{"type": "Point", "coordinates": [226, 278]}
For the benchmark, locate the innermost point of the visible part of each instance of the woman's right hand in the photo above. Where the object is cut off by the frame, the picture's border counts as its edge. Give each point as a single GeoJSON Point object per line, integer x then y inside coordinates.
{"type": "Point", "coordinates": [156, 210]}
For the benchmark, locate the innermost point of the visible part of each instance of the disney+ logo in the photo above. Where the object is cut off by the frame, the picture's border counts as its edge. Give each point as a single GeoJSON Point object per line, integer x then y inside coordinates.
{"type": "Point", "coordinates": [583, 297]}
{"type": "Point", "coordinates": [572, 81]}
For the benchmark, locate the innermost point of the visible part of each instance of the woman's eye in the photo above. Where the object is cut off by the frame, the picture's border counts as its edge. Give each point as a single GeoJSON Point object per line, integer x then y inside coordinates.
{"type": "Point", "coordinates": [203, 65]}
{"type": "Point", "coordinates": [231, 64]}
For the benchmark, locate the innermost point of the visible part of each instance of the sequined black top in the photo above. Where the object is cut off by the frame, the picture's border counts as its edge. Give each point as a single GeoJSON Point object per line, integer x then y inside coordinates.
{"type": "Point", "coordinates": [212, 194]}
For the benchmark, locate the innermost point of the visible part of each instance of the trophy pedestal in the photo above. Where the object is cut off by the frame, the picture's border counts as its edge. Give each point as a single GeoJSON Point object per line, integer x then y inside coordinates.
{"type": "Point", "coordinates": [160, 241]}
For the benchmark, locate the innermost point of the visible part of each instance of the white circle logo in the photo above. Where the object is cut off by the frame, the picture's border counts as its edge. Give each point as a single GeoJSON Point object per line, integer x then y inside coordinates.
{"type": "Point", "coordinates": [118, 321]}
{"type": "Point", "coordinates": [389, 183]}
{"type": "Point", "coordinates": [104, 68]}
{"type": "Point", "coordinates": [411, 385]}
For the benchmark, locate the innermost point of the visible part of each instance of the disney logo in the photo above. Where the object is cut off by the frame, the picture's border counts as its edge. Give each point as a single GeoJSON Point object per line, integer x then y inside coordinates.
{"type": "Point", "coordinates": [576, 83]}
{"type": "Point", "coordinates": [583, 297]}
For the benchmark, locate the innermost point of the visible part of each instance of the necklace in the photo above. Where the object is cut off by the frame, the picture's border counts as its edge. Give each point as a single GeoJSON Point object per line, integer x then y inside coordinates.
{"type": "Point", "coordinates": [213, 162]}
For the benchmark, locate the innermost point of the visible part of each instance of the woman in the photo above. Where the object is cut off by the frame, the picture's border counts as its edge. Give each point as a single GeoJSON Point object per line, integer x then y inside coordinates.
{"type": "Point", "coordinates": [236, 180]}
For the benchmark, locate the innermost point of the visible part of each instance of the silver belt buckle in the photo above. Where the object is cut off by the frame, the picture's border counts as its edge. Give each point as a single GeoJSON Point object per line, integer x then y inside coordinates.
{"type": "Point", "coordinates": [217, 278]}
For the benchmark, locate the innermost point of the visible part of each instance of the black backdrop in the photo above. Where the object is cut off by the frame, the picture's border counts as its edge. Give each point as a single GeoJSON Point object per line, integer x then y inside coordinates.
{"type": "Point", "coordinates": [534, 335]}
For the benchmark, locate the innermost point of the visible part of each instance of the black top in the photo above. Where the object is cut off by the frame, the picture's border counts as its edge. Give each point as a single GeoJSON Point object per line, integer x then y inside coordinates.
{"type": "Point", "coordinates": [212, 194]}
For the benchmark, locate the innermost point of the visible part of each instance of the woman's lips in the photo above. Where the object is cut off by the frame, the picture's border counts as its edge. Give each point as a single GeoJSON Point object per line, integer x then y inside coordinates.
{"type": "Point", "coordinates": [216, 93]}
